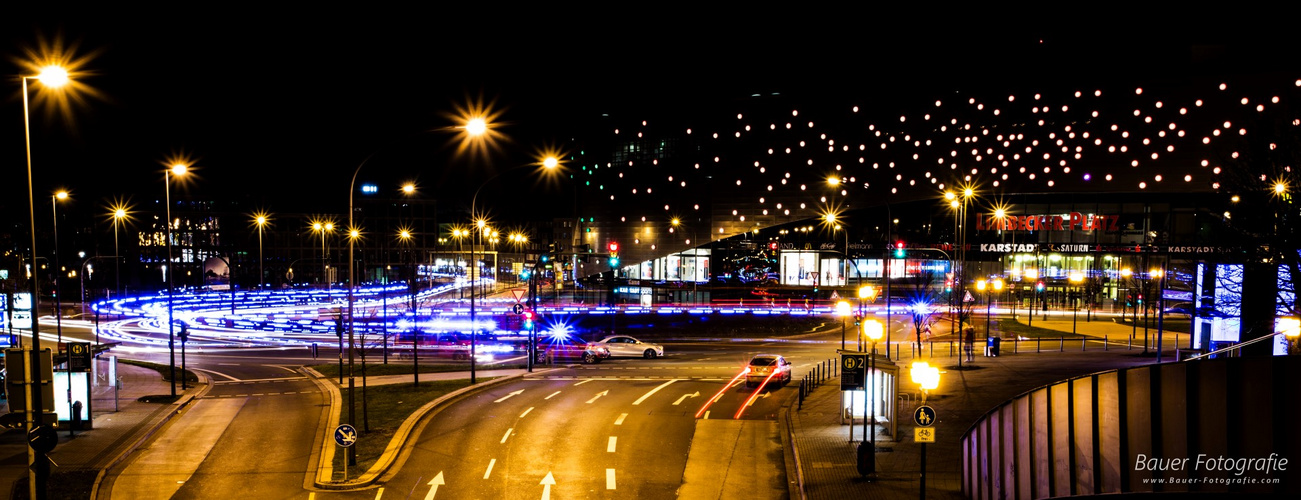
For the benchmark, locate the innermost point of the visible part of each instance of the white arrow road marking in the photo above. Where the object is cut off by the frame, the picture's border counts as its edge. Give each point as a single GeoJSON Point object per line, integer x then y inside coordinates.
{"type": "Point", "coordinates": [546, 486]}
{"type": "Point", "coordinates": [433, 484]}
{"type": "Point", "coordinates": [584, 382]}
{"type": "Point", "coordinates": [489, 471]}
{"type": "Point", "coordinates": [552, 395]}
{"type": "Point", "coordinates": [652, 391]}
{"type": "Point", "coordinates": [764, 396]}
{"type": "Point", "coordinates": [685, 396]}
{"type": "Point", "coordinates": [609, 479]}
{"type": "Point", "coordinates": [508, 396]}
{"type": "Point", "coordinates": [598, 396]}
{"type": "Point", "coordinates": [609, 448]}
{"type": "Point", "coordinates": [507, 436]}
{"type": "Point", "coordinates": [619, 421]}
{"type": "Point", "coordinates": [526, 412]}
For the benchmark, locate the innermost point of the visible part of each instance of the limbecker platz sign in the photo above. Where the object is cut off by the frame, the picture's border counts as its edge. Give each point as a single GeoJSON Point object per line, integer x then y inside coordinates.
{"type": "Point", "coordinates": [1072, 222]}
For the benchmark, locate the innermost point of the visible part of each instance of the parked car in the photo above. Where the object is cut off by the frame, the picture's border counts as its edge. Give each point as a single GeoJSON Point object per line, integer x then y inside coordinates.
{"type": "Point", "coordinates": [623, 345]}
{"type": "Point", "coordinates": [763, 365]}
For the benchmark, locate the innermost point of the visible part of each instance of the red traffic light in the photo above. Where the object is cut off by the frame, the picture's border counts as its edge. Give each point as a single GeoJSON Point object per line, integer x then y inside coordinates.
{"type": "Point", "coordinates": [528, 315]}
{"type": "Point", "coordinates": [614, 247]}
{"type": "Point", "coordinates": [1039, 286]}
{"type": "Point", "coordinates": [772, 246]}
{"type": "Point", "coordinates": [899, 245]}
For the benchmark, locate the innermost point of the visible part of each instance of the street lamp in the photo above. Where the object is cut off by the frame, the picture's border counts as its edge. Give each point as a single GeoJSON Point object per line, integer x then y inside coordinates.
{"type": "Point", "coordinates": [998, 287]}
{"type": "Point", "coordinates": [873, 330]}
{"type": "Point", "coordinates": [477, 128]}
{"type": "Point", "coordinates": [405, 236]}
{"type": "Point", "coordinates": [324, 227]}
{"type": "Point", "coordinates": [928, 378]}
{"type": "Point", "coordinates": [261, 219]}
{"type": "Point", "coordinates": [119, 215]}
{"type": "Point", "coordinates": [1076, 278]}
{"type": "Point", "coordinates": [58, 272]}
{"type": "Point", "coordinates": [176, 170]}
{"type": "Point", "coordinates": [842, 310]}
{"type": "Point", "coordinates": [51, 77]}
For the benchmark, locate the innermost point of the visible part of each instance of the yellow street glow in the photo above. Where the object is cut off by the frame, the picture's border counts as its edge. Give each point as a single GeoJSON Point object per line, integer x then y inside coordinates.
{"type": "Point", "coordinates": [873, 329]}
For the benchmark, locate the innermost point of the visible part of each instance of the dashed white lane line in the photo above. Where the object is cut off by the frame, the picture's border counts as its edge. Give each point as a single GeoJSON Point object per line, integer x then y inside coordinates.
{"type": "Point", "coordinates": [552, 395]}
{"type": "Point", "coordinates": [489, 471]}
{"type": "Point", "coordinates": [609, 448]}
{"type": "Point", "coordinates": [652, 391]}
{"type": "Point", "coordinates": [609, 479]}
{"type": "Point", "coordinates": [526, 412]}
{"type": "Point", "coordinates": [706, 414]}
{"type": "Point", "coordinates": [584, 382]}
{"type": "Point", "coordinates": [619, 421]}
{"type": "Point", "coordinates": [507, 436]}
{"type": "Point", "coordinates": [379, 493]}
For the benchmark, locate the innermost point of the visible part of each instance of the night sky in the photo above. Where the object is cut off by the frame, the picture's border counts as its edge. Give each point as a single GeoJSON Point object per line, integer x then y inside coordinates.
{"type": "Point", "coordinates": [277, 108]}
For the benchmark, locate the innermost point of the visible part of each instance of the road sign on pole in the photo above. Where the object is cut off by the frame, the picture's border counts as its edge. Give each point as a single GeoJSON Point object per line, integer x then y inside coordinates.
{"type": "Point", "coordinates": [345, 435]}
{"type": "Point", "coordinates": [924, 416]}
{"type": "Point", "coordinates": [853, 371]}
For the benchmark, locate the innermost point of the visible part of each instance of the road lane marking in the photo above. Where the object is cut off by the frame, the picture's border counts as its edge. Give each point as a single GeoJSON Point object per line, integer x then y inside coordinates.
{"type": "Point", "coordinates": [598, 396]}
{"type": "Point", "coordinates": [526, 412]}
{"type": "Point", "coordinates": [214, 372]}
{"type": "Point", "coordinates": [619, 421]}
{"type": "Point", "coordinates": [552, 395]}
{"type": "Point", "coordinates": [652, 391]}
{"type": "Point", "coordinates": [609, 448]}
{"type": "Point", "coordinates": [609, 479]}
{"type": "Point", "coordinates": [489, 471]}
{"type": "Point", "coordinates": [685, 396]}
{"type": "Point", "coordinates": [508, 396]}
{"type": "Point", "coordinates": [706, 414]}
{"type": "Point", "coordinates": [507, 436]}
{"type": "Point", "coordinates": [584, 382]}
{"type": "Point", "coordinates": [379, 493]}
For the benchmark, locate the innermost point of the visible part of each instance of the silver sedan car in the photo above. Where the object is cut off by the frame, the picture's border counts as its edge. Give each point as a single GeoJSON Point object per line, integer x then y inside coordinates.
{"type": "Point", "coordinates": [625, 346]}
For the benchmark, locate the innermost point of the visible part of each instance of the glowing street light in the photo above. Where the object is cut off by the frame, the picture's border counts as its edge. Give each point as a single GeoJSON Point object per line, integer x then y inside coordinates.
{"type": "Point", "coordinates": [119, 215]}
{"type": "Point", "coordinates": [260, 219]}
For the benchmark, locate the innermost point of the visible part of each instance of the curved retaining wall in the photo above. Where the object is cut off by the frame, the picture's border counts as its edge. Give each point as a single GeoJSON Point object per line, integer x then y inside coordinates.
{"type": "Point", "coordinates": [1174, 427]}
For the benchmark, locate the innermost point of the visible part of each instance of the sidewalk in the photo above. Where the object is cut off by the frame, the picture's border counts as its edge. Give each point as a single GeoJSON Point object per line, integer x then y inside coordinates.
{"type": "Point", "coordinates": [113, 433]}
{"type": "Point", "coordinates": [827, 459]}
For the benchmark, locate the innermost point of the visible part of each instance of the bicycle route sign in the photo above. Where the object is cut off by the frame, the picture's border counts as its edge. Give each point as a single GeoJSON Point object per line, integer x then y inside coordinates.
{"type": "Point", "coordinates": [345, 435]}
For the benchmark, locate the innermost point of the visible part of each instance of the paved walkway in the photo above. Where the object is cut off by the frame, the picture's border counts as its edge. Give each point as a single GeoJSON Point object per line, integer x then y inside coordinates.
{"type": "Point", "coordinates": [114, 433]}
{"type": "Point", "coordinates": [827, 457]}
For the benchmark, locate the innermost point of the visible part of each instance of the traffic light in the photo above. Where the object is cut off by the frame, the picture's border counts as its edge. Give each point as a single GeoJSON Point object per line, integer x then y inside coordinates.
{"type": "Point", "coordinates": [948, 282]}
{"type": "Point", "coordinates": [1039, 287]}
{"type": "Point", "coordinates": [614, 254]}
{"type": "Point", "coordinates": [546, 257]}
{"type": "Point", "coordinates": [528, 319]}
{"type": "Point", "coordinates": [898, 250]}
{"type": "Point", "coordinates": [772, 246]}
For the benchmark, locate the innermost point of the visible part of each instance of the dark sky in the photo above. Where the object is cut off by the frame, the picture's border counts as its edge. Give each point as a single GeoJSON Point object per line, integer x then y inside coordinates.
{"type": "Point", "coordinates": [280, 106]}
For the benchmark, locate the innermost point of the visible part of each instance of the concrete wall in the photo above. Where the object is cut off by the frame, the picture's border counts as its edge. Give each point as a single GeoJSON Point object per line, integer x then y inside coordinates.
{"type": "Point", "coordinates": [1084, 436]}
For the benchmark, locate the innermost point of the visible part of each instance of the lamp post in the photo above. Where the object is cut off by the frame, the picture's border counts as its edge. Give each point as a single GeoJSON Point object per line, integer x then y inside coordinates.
{"type": "Point", "coordinates": [550, 163]}
{"type": "Point", "coordinates": [928, 378]}
{"type": "Point", "coordinates": [261, 220]}
{"type": "Point", "coordinates": [119, 214]}
{"type": "Point", "coordinates": [176, 170]}
{"type": "Point", "coordinates": [51, 77]}
{"type": "Point", "coordinates": [874, 330]}
{"type": "Point", "coordinates": [1128, 273]}
{"type": "Point", "coordinates": [322, 228]}
{"type": "Point", "coordinates": [998, 287]}
{"type": "Point", "coordinates": [1076, 278]}
{"type": "Point", "coordinates": [1159, 272]}
{"type": "Point", "coordinates": [405, 236]}
{"type": "Point", "coordinates": [842, 309]}
{"type": "Point", "coordinates": [58, 275]}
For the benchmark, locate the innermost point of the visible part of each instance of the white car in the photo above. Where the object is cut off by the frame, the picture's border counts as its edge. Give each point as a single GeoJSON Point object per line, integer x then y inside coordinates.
{"type": "Point", "coordinates": [623, 345]}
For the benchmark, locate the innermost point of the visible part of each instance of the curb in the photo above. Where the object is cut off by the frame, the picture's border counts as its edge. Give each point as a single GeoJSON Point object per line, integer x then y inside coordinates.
{"type": "Point", "coordinates": [398, 444]}
{"type": "Point", "coordinates": [148, 434]}
{"type": "Point", "coordinates": [794, 469]}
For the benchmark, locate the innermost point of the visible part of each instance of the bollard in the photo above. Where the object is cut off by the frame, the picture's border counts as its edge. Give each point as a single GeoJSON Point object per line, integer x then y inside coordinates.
{"type": "Point", "coordinates": [1082, 343]}
{"type": "Point", "coordinates": [950, 348]}
{"type": "Point", "coordinates": [835, 369]}
{"type": "Point", "coordinates": [932, 348]}
{"type": "Point", "coordinates": [1062, 346]}
{"type": "Point", "coordinates": [1105, 345]}
{"type": "Point", "coordinates": [1036, 344]}
{"type": "Point", "coordinates": [1015, 342]}
{"type": "Point", "coordinates": [1131, 343]}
